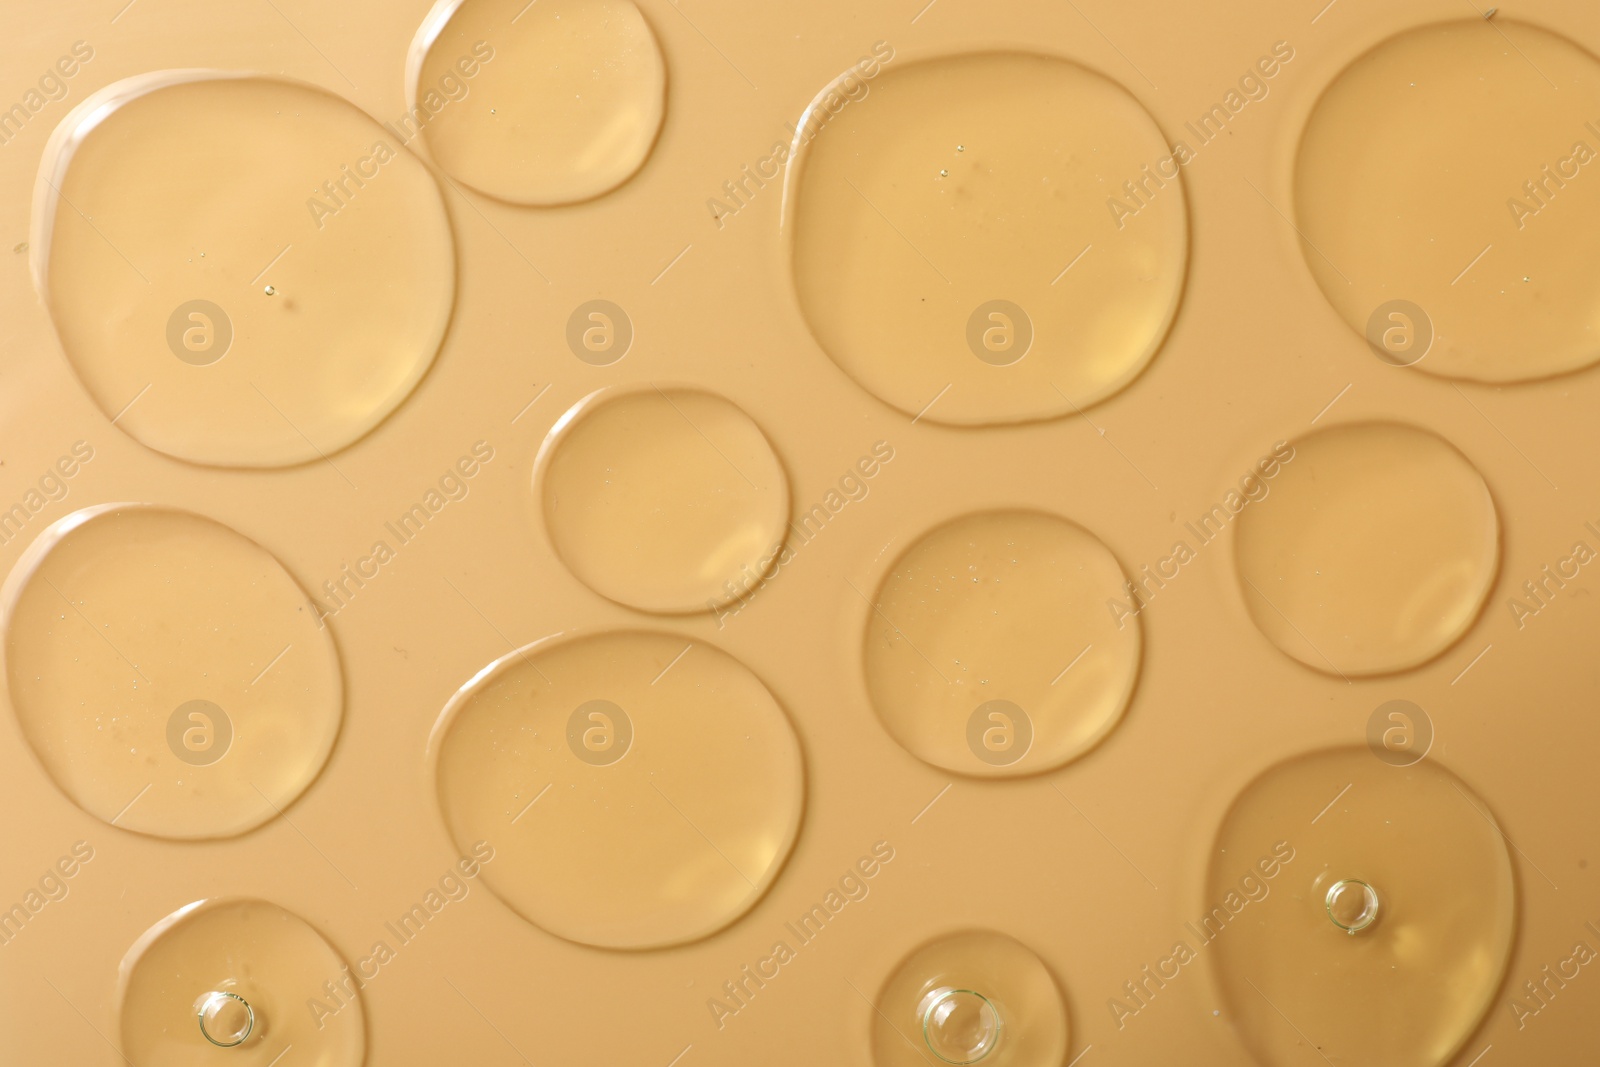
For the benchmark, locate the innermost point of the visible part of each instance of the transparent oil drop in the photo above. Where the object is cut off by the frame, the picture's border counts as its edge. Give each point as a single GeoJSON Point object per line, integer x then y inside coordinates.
{"type": "Point", "coordinates": [960, 1026]}
{"type": "Point", "coordinates": [168, 672]}
{"type": "Point", "coordinates": [1371, 904]}
{"type": "Point", "coordinates": [668, 500]}
{"type": "Point", "coordinates": [1386, 214]}
{"type": "Point", "coordinates": [234, 981]}
{"type": "Point", "coordinates": [989, 650]}
{"type": "Point", "coordinates": [1352, 905]}
{"type": "Point", "coordinates": [975, 997]}
{"type": "Point", "coordinates": [1400, 572]}
{"type": "Point", "coordinates": [180, 349]}
{"type": "Point", "coordinates": [226, 1019]}
{"type": "Point", "coordinates": [537, 104]}
{"type": "Point", "coordinates": [890, 268]}
{"type": "Point", "coordinates": [639, 789]}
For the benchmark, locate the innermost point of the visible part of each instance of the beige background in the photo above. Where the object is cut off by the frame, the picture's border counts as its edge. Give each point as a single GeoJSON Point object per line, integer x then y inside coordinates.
{"type": "Point", "coordinates": [1255, 354]}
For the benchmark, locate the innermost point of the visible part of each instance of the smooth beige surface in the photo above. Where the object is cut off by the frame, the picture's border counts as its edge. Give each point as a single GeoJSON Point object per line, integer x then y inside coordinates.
{"type": "Point", "coordinates": [538, 103]}
{"type": "Point", "coordinates": [317, 240]}
{"type": "Point", "coordinates": [1406, 990]}
{"type": "Point", "coordinates": [168, 673]}
{"type": "Point", "coordinates": [1095, 867]}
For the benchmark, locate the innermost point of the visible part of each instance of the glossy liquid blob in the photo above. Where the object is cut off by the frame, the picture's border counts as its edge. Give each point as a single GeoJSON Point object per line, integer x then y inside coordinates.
{"type": "Point", "coordinates": [960, 1026]}
{"type": "Point", "coordinates": [267, 274]}
{"type": "Point", "coordinates": [1407, 990]}
{"type": "Point", "coordinates": [1374, 551]}
{"type": "Point", "coordinates": [989, 649]}
{"type": "Point", "coordinates": [1388, 212]}
{"type": "Point", "coordinates": [168, 672]}
{"type": "Point", "coordinates": [545, 103]}
{"type": "Point", "coordinates": [936, 209]}
{"type": "Point", "coordinates": [639, 789]}
{"type": "Point", "coordinates": [664, 499]}
{"type": "Point", "coordinates": [1352, 905]}
{"type": "Point", "coordinates": [973, 997]}
{"type": "Point", "coordinates": [238, 967]}
{"type": "Point", "coordinates": [226, 1019]}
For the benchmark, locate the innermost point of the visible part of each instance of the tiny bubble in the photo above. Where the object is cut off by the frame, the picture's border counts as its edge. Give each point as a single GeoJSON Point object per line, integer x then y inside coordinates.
{"type": "Point", "coordinates": [944, 174]}
{"type": "Point", "coordinates": [271, 290]}
{"type": "Point", "coordinates": [961, 148]}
